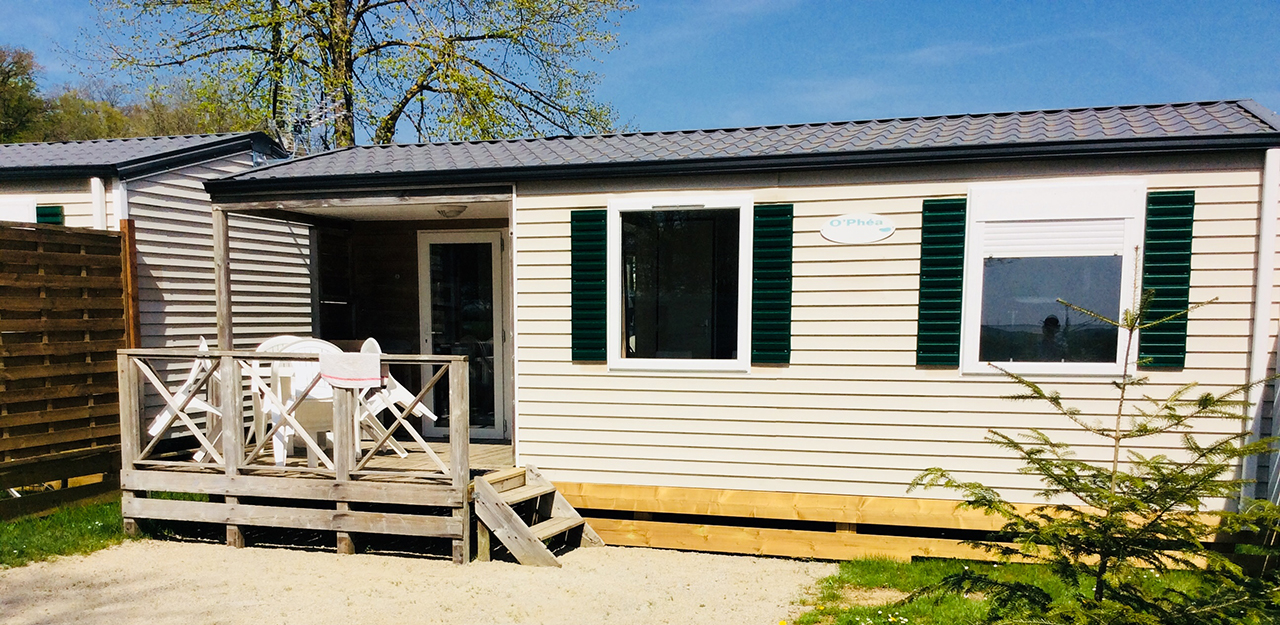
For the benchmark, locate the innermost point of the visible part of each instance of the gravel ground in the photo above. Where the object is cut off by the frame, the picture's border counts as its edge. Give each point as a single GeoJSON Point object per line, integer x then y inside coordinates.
{"type": "Point", "coordinates": [156, 582]}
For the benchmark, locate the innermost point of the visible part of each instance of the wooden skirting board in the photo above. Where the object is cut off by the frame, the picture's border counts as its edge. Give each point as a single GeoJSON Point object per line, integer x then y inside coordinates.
{"type": "Point", "coordinates": [737, 534]}
{"type": "Point", "coordinates": [776, 542]}
{"type": "Point", "coordinates": [892, 511]}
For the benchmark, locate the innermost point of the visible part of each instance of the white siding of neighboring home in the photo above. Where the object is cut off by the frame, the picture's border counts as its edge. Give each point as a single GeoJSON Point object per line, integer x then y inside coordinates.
{"type": "Point", "coordinates": [72, 194]}
{"type": "Point", "coordinates": [851, 414]}
{"type": "Point", "coordinates": [270, 268]}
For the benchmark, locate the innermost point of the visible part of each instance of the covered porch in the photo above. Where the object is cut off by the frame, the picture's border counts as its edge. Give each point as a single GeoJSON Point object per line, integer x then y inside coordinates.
{"type": "Point", "coordinates": [423, 273]}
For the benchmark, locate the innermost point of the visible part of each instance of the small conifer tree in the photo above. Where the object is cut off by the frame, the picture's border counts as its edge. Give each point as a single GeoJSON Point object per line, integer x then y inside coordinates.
{"type": "Point", "coordinates": [1111, 529]}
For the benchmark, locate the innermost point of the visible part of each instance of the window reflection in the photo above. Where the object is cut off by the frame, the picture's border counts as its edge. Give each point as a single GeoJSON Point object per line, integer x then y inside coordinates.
{"type": "Point", "coordinates": [1023, 321]}
{"type": "Point", "coordinates": [462, 322]}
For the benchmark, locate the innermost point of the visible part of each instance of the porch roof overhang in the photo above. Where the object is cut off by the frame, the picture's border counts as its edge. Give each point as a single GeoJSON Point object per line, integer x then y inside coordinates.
{"type": "Point", "coordinates": [370, 203]}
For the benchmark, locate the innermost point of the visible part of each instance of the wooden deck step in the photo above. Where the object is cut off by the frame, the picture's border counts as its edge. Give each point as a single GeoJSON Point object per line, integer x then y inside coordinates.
{"type": "Point", "coordinates": [493, 507]}
{"type": "Point", "coordinates": [526, 492]}
{"type": "Point", "coordinates": [555, 526]}
{"type": "Point", "coordinates": [506, 479]}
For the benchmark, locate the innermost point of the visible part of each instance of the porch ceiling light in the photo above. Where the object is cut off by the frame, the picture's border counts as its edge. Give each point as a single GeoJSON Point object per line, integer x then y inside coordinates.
{"type": "Point", "coordinates": [449, 211]}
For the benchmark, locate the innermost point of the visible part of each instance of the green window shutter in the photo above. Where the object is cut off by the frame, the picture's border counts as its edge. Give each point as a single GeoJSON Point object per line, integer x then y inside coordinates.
{"type": "Point", "coordinates": [49, 215]}
{"type": "Point", "coordinates": [941, 278]}
{"type": "Point", "coordinates": [1166, 269]}
{"type": "Point", "coordinates": [588, 265]}
{"type": "Point", "coordinates": [771, 285]}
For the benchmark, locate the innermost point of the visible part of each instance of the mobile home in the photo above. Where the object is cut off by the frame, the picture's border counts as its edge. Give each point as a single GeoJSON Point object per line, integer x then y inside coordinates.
{"type": "Point", "coordinates": [752, 339]}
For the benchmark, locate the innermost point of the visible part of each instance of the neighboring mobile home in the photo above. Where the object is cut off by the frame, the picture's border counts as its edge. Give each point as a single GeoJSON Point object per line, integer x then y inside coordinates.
{"type": "Point", "coordinates": [154, 184]}
{"type": "Point", "coordinates": [753, 339]}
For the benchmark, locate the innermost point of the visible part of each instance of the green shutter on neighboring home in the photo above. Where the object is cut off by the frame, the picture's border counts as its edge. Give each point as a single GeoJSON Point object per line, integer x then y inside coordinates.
{"type": "Point", "coordinates": [588, 265]}
{"type": "Point", "coordinates": [1166, 269]}
{"type": "Point", "coordinates": [49, 215]}
{"type": "Point", "coordinates": [771, 285]}
{"type": "Point", "coordinates": [941, 278]}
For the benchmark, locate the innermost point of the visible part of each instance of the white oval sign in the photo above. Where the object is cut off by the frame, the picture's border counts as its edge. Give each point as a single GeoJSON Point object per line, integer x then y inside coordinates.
{"type": "Point", "coordinates": [857, 228]}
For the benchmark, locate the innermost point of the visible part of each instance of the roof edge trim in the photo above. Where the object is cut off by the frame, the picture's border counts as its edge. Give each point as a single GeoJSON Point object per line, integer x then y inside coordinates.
{"type": "Point", "coordinates": [257, 141]}
{"type": "Point", "coordinates": [1268, 116]}
{"type": "Point", "coordinates": [59, 171]}
{"type": "Point", "coordinates": [231, 189]}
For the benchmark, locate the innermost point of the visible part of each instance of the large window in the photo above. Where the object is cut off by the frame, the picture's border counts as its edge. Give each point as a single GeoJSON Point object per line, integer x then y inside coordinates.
{"type": "Point", "coordinates": [679, 282]}
{"type": "Point", "coordinates": [1033, 248]}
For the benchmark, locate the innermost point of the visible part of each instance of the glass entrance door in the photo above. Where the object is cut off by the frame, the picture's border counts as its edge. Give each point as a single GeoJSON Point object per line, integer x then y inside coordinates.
{"type": "Point", "coordinates": [460, 287]}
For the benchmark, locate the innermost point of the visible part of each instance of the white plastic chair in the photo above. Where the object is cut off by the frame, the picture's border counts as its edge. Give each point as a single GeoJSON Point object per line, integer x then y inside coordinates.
{"type": "Point", "coordinates": [392, 392]}
{"type": "Point", "coordinates": [184, 391]}
{"type": "Point", "coordinates": [185, 394]}
{"type": "Point", "coordinates": [388, 398]}
{"type": "Point", "coordinates": [315, 411]}
{"type": "Point", "coordinates": [269, 378]}
{"type": "Point", "coordinates": [285, 382]}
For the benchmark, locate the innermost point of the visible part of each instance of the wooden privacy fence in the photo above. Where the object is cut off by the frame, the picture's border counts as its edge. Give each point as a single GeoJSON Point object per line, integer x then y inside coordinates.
{"type": "Point", "coordinates": [63, 311]}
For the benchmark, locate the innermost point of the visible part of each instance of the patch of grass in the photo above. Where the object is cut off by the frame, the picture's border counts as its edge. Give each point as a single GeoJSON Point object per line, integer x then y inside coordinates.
{"type": "Point", "coordinates": [70, 530]}
{"type": "Point", "coordinates": [836, 598]}
{"type": "Point", "coordinates": [834, 603]}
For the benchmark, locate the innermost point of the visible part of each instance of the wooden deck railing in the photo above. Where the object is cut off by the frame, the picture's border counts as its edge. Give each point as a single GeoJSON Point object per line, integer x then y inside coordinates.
{"type": "Point", "coordinates": [225, 459]}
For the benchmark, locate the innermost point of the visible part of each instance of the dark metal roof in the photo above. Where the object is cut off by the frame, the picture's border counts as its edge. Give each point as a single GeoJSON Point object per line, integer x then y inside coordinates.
{"type": "Point", "coordinates": [129, 157]}
{"type": "Point", "coordinates": [1195, 125]}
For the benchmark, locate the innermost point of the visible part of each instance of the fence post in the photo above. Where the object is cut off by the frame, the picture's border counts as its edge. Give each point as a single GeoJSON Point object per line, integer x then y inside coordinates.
{"type": "Point", "coordinates": [130, 434]}
{"type": "Point", "coordinates": [459, 451]}
{"type": "Point", "coordinates": [231, 402]}
{"type": "Point", "coordinates": [129, 260]}
{"type": "Point", "coordinates": [344, 442]}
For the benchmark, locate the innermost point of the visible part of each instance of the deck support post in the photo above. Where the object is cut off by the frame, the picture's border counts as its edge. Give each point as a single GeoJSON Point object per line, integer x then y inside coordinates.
{"type": "Point", "coordinates": [344, 448]}
{"type": "Point", "coordinates": [222, 277]}
{"type": "Point", "coordinates": [222, 303]}
{"type": "Point", "coordinates": [459, 452]}
{"type": "Point", "coordinates": [231, 393]}
{"type": "Point", "coordinates": [231, 403]}
{"type": "Point", "coordinates": [484, 549]}
{"type": "Point", "coordinates": [130, 431]}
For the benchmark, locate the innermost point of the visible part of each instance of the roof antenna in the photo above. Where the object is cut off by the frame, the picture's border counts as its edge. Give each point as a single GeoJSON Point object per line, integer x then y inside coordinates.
{"type": "Point", "coordinates": [300, 138]}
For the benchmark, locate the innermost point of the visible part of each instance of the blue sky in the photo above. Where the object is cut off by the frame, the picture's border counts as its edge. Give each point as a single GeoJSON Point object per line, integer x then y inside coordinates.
{"type": "Point", "coordinates": [726, 63]}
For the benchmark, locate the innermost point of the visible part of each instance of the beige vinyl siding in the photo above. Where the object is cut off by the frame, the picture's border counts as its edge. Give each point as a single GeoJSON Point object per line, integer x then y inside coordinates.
{"type": "Point", "coordinates": [851, 414]}
{"type": "Point", "coordinates": [270, 262]}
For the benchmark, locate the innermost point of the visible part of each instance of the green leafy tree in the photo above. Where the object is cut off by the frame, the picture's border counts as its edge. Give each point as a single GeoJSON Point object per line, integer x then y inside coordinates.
{"type": "Point", "coordinates": [190, 107]}
{"type": "Point", "coordinates": [21, 107]}
{"type": "Point", "coordinates": [91, 111]}
{"type": "Point", "coordinates": [1111, 529]}
{"type": "Point", "coordinates": [99, 109]}
{"type": "Point", "coordinates": [443, 69]}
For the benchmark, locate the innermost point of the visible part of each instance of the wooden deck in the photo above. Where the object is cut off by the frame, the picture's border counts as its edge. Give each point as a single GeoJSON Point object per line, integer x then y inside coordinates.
{"type": "Point", "coordinates": [489, 455]}
{"type": "Point", "coordinates": [344, 484]}
{"type": "Point", "coordinates": [486, 455]}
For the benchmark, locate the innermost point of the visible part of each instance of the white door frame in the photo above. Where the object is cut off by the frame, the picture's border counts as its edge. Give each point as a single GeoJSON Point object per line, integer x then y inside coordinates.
{"type": "Point", "coordinates": [426, 238]}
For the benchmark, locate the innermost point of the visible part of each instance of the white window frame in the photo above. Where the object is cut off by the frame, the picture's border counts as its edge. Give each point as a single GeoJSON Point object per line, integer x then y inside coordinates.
{"type": "Point", "coordinates": [1061, 200]}
{"type": "Point", "coordinates": [744, 203]}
